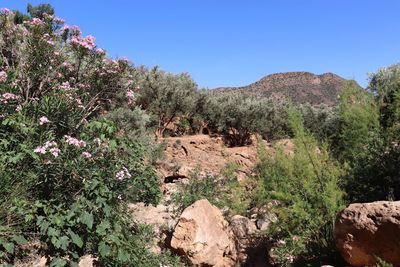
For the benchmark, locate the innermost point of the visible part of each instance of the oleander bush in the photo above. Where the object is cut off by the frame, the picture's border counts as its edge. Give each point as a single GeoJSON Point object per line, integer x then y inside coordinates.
{"type": "Point", "coordinates": [70, 152]}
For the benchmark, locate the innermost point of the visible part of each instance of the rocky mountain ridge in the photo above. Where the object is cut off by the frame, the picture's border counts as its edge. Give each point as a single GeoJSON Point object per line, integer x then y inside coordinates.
{"type": "Point", "coordinates": [299, 87]}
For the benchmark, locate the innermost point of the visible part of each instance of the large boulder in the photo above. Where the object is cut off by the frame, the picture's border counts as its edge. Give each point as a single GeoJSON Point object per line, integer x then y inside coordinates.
{"type": "Point", "coordinates": [365, 232]}
{"type": "Point", "coordinates": [203, 236]}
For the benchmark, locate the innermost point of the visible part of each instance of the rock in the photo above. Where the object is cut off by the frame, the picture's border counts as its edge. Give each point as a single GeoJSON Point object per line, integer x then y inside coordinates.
{"type": "Point", "coordinates": [243, 229]}
{"type": "Point", "coordinates": [204, 237]}
{"type": "Point", "coordinates": [41, 262]}
{"type": "Point", "coordinates": [160, 217]}
{"type": "Point", "coordinates": [266, 220]}
{"type": "Point", "coordinates": [366, 231]}
{"type": "Point", "coordinates": [87, 261]}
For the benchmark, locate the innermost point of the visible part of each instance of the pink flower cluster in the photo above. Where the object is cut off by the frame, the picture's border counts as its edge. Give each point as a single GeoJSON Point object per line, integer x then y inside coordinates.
{"type": "Point", "coordinates": [86, 155]}
{"type": "Point", "coordinates": [54, 18]}
{"type": "Point", "coordinates": [75, 30]}
{"type": "Point", "coordinates": [36, 22]}
{"type": "Point", "coordinates": [43, 120]}
{"type": "Point", "coordinates": [65, 86]}
{"type": "Point", "coordinates": [4, 98]}
{"type": "Point", "coordinates": [5, 11]}
{"type": "Point", "coordinates": [74, 142]}
{"type": "Point", "coordinates": [3, 76]}
{"type": "Point", "coordinates": [100, 51]}
{"type": "Point", "coordinates": [122, 174]}
{"type": "Point", "coordinates": [85, 42]}
{"type": "Point", "coordinates": [64, 28]}
{"type": "Point", "coordinates": [49, 146]}
{"type": "Point", "coordinates": [109, 67]}
{"type": "Point", "coordinates": [131, 96]}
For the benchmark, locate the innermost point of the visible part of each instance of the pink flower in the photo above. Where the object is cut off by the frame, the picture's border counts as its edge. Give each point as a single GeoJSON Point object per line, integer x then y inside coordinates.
{"type": "Point", "coordinates": [75, 30]}
{"type": "Point", "coordinates": [50, 42]}
{"type": "Point", "coordinates": [49, 146]}
{"type": "Point", "coordinates": [122, 174]}
{"type": "Point", "coordinates": [18, 108]}
{"type": "Point", "coordinates": [43, 120]}
{"type": "Point", "coordinates": [87, 42]}
{"type": "Point", "coordinates": [100, 51]}
{"type": "Point", "coordinates": [86, 154]}
{"type": "Point", "coordinates": [65, 85]}
{"type": "Point", "coordinates": [54, 18]}
{"type": "Point", "coordinates": [36, 22]}
{"type": "Point", "coordinates": [5, 10]}
{"type": "Point", "coordinates": [3, 76]}
{"type": "Point", "coordinates": [54, 151]}
{"type": "Point", "coordinates": [131, 97]}
{"type": "Point", "coordinates": [74, 142]}
{"type": "Point", "coordinates": [4, 98]}
{"type": "Point", "coordinates": [65, 28]}
{"type": "Point", "coordinates": [40, 150]}
{"type": "Point", "coordinates": [290, 258]}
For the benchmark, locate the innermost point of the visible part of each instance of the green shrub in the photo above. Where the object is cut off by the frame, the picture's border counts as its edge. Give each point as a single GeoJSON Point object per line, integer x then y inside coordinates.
{"type": "Point", "coordinates": [166, 96]}
{"type": "Point", "coordinates": [67, 171]}
{"type": "Point", "coordinates": [197, 188]}
{"type": "Point", "coordinates": [306, 184]}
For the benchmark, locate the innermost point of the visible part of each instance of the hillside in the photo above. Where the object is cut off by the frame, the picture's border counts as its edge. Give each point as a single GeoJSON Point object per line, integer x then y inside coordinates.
{"type": "Point", "coordinates": [300, 87]}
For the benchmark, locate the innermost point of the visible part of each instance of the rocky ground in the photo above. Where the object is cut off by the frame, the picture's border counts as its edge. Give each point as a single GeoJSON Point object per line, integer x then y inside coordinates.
{"type": "Point", "coordinates": [204, 237]}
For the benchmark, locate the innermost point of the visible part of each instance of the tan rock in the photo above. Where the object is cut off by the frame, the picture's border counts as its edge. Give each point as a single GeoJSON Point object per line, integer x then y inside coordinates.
{"type": "Point", "coordinates": [41, 262]}
{"type": "Point", "coordinates": [243, 229]}
{"type": "Point", "coordinates": [87, 261]}
{"type": "Point", "coordinates": [366, 231]}
{"type": "Point", "coordinates": [203, 236]}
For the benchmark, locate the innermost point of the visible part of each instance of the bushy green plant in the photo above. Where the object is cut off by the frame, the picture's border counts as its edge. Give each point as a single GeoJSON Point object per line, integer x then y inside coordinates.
{"type": "Point", "coordinates": [197, 188]}
{"type": "Point", "coordinates": [166, 96]}
{"type": "Point", "coordinates": [369, 138]}
{"type": "Point", "coordinates": [306, 184]}
{"type": "Point", "coordinates": [67, 171]}
{"type": "Point", "coordinates": [322, 121]}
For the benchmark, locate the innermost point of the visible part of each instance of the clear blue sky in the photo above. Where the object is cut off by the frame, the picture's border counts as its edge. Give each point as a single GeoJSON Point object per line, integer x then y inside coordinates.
{"type": "Point", "coordinates": [233, 43]}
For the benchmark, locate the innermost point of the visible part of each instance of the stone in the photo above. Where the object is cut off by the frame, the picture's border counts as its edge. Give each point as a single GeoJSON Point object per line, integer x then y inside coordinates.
{"type": "Point", "coordinates": [243, 229]}
{"type": "Point", "coordinates": [160, 217]}
{"type": "Point", "coordinates": [204, 237]}
{"type": "Point", "coordinates": [264, 222]}
{"type": "Point", "coordinates": [366, 231]}
{"type": "Point", "coordinates": [87, 261]}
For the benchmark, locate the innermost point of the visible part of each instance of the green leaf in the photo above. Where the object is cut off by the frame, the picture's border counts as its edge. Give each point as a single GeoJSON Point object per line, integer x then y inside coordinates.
{"type": "Point", "coordinates": [52, 232]}
{"type": "Point", "coordinates": [102, 227]}
{"type": "Point", "coordinates": [76, 239]}
{"type": "Point", "coordinates": [58, 262]}
{"type": "Point", "coordinates": [104, 249]}
{"type": "Point", "coordinates": [9, 247]}
{"type": "Point", "coordinates": [87, 218]}
{"type": "Point", "coordinates": [62, 242]}
{"type": "Point", "coordinates": [20, 240]}
{"type": "Point", "coordinates": [123, 255]}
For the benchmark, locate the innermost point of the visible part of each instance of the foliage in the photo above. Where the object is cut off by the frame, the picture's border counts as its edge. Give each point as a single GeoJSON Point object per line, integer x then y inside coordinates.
{"type": "Point", "coordinates": [67, 171]}
{"type": "Point", "coordinates": [166, 96]}
{"type": "Point", "coordinates": [322, 121]}
{"type": "Point", "coordinates": [369, 138]}
{"type": "Point", "coordinates": [306, 184]}
{"type": "Point", "coordinates": [197, 188]}
{"type": "Point", "coordinates": [359, 123]}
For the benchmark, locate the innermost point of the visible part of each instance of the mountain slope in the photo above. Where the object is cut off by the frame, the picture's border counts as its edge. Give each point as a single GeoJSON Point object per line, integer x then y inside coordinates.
{"type": "Point", "coordinates": [300, 87]}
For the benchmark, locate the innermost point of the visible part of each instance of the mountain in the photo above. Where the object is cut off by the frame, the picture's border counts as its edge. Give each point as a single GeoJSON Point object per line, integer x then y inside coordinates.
{"type": "Point", "coordinates": [300, 87]}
